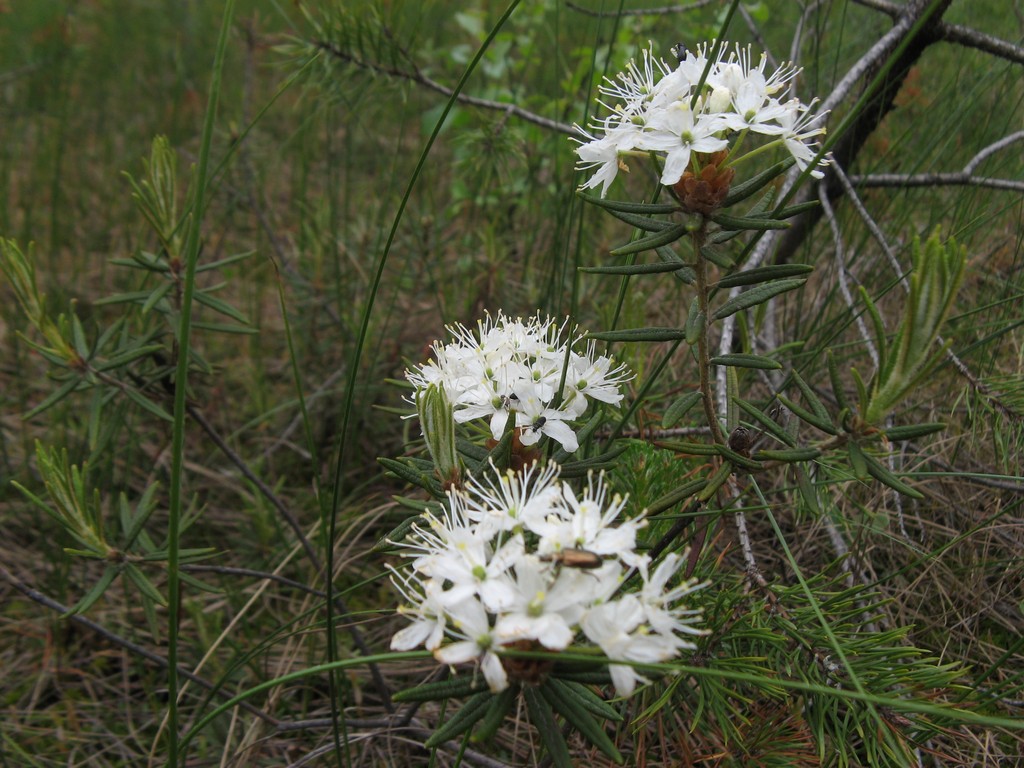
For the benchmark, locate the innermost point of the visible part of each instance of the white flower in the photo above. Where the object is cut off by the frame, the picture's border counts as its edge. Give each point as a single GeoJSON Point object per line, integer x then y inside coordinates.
{"type": "Point", "coordinates": [658, 109]}
{"type": "Point", "coordinates": [494, 569]}
{"type": "Point", "coordinates": [472, 625]}
{"type": "Point", "coordinates": [511, 369]}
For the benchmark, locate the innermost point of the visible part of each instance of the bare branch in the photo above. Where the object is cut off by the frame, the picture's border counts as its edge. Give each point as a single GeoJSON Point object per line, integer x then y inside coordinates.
{"type": "Point", "coordinates": [420, 79]}
{"type": "Point", "coordinates": [935, 180]}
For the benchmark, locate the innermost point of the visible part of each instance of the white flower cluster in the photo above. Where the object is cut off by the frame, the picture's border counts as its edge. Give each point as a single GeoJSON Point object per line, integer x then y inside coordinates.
{"type": "Point", "coordinates": [656, 114]}
{"type": "Point", "coordinates": [521, 558]}
{"type": "Point", "coordinates": [515, 367]}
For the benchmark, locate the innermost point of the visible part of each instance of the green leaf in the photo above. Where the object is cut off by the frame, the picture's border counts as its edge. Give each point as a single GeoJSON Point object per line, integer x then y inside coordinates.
{"type": "Point", "coordinates": [225, 328]}
{"type": "Point", "coordinates": [912, 431]}
{"type": "Point", "coordinates": [696, 321]}
{"type": "Point", "coordinates": [639, 334]}
{"type": "Point", "coordinates": [94, 594]}
{"type": "Point", "coordinates": [816, 406]}
{"type": "Point", "coordinates": [739, 360]}
{"type": "Point", "coordinates": [795, 210]}
{"type": "Point", "coordinates": [734, 223]}
{"type": "Point", "coordinates": [145, 586]}
{"type": "Point", "coordinates": [716, 481]}
{"type": "Point", "coordinates": [643, 223]}
{"type": "Point", "coordinates": [224, 262]}
{"type": "Point", "coordinates": [634, 269]}
{"type": "Point", "coordinates": [576, 715]}
{"type": "Point", "coordinates": [156, 296]}
{"type": "Point", "coordinates": [837, 383]}
{"type": "Point", "coordinates": [685, 272]}
{"type": "Point", "coordinates": [678, 409]}
{"type": "Point", "coordinates": [807, 490]}
{"type": "Point", "coordinates": [685, 446]}
{"type": "Point", "coordinates": [461, 721]}
{"type": "Point", "coordinates": [788, 456]}
{"type": "Point", "coordinates": [547, 728]}
{"type": "Point", "coordinates": [664, 237]}
{"type": "Point", "coordinates": [221, 306]}
{"type": "Point", "coordinates": [128, 356]}
{"type": "Point", "coordinates": [858, 460]}
{"type": "Point", "coordinates": [753, 185]}
{"type": "Point", "coordinates": [766, 421]}
{"type": "Point", "coordinates": [497, 711]}
{"type": "Point", "coordinates": [757, 296]}
{"type": "Point", "coordinates": [405, 470]}
{"type": "Point", "coordinates": [65, 389]}
{"type": "Point", "coordinates": [673, 497]}
{"type": "Point", "coordinates": [396, 534]}
{"type": "Point", "coordinates": [146, 404]}
{"type": "Point", "coordinates": [595, 463]}
{"type": "Point", "coordinates": [643, 209]}
{"type": "Point", "coordinates": [454, 687]}
{"type": "Point", "coordinates": [882, 474]}
{"type": "Point", "coordinates": [588, 699]}
{"type": "Point", "coordinates": [737, 459]}
{"type": "Point", "coordinates": [718, 256]}
{"type": "Point", "coordinates": [810, 418]}
{"type": "Point", "coordinates": [763, 275]}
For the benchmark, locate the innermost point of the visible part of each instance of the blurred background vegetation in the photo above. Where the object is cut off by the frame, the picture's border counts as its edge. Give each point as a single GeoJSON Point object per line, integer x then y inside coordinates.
{"type": "Point", "coordinates": [324, 111]}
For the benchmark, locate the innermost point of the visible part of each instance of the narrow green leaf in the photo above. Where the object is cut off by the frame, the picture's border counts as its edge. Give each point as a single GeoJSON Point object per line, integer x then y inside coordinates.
{"type": "Point", "coordinates": [696, 320]}
{"type": "Point", "coordinates": [224, 262]}
{"type": "Point", "coordinates": [65, 389]}
{"type": "Point", "coordinates": [737, 459]}
{"type": "Point", "coordinates": [754, 184]}
{"type": "Point", "coordinates": [94, 594]}
{"type": "Point", "coordinates": [807, 490]}
{"type": "Point", "coordinates": [837, 383]}
{"type": "Point", "coordinates": [795, 210]}
{"type": "Point", "coordinates": [643, 223]}
{"type": "Point", "coordinates": [633, 269]}
{"type": "Point", "coordinates": [858, 460]}
{"type": "Point", "coordinates": [685, 446]}
{"type": "Point", "coordinates": [225, 328]}
{"type": "Point", "coordinates": [128, 356]}
{"type": "Point", "coordinates": [497, 711]}
{"type": "Point", "coordinates": [156, 296]}
{"type": "Point", "coordinates": [912, 431]}
{"type": "Point", "coordinates": [719, 256]}
{"type": "Point", "coordinates": [664, 237]}
{"type": "Point", "coordinates": [810, 418]}
{"type": "Point", "coordinates": [763, 275]}
{"type": "Point", "coordinates": [685, 272]}
{"type": "Point", "coordinates": [412, 475]}
{"type": "Point", "coordinates": [732, 391]}
{"type": "Point", "coordinates": [145, 586]}
{"type": "Point", "coordinates": [756, 296]}
{"type": "Point", "coordinates": [881, 342]}
{"type": "Point", "coordinates": [673, 497]}
{"type": "Point", "coordinates": [816, 406]}
{"type": "Point", "coordinates": [733, 223]}
{"type": "Point", "coordinates": [578, 717]}
{"type": "Point", "coordinates": [643, 209]}
{"type": "Point", "coordinates": [221, 306]}
{"type": "Point", "coordinates": [453, 687]}
{"type": "Point", "coordinates": [789, 456]}
{"type": "Point", "coordinates": [716, 481]}
{"type": "Point", "coordinates": [146, 404]}
{"type": "Point", "coordinates": [766, 421]}
{"type": "Point", "coordinates": [882, 474]}
{"type": "Point", "coordinates": [679, 409]}
{"type": "Point", "coordinates": [639, 334]}
{"type": "Point", "coordinates": [739, 360]}
{"type": "Point", "coordinates": [461, 721]}
{"type": "Point", "coordinates": [547, 728]}
{"type": "Point", "coordinates": [588, 699]}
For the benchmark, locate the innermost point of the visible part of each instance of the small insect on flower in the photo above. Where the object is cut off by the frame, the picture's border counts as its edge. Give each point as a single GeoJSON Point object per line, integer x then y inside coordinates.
{"type": "Point", "coordinates": [538, 424]}
{"type": "Point", "coordinates": [679, 51]}
{"type": "Point", "coordinates": [574, 558]}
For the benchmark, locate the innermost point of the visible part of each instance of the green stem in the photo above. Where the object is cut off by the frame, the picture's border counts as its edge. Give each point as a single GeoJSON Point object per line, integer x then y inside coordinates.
{"type": "Point", "coordinates": [703, 357]}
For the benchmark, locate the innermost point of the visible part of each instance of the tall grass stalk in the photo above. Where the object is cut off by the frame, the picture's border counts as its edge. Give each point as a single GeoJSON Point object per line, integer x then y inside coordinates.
{"type": "Point", "coordinates": [192, 248]}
